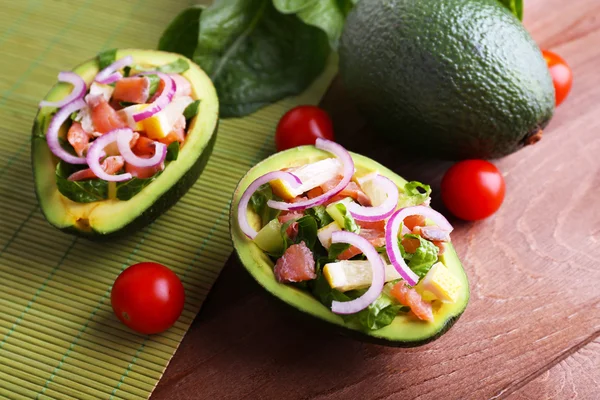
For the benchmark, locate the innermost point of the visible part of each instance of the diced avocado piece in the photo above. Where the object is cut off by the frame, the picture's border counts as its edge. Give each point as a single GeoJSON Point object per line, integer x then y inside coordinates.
{"type": "Point", "coordinates": [422, 72]}
{"type": "Point", "coordinates": [269, 237]}
{"type": "Point", "coordinates": [404, 331]}
{"type": "Point", "coordinates": [335, 213]}
{"type": "Point", "coordinates": [349, 275]}
{"type": "Point", "coordinates": [112, 217]}
{"type": "Point", "coordinates": [311, 175]}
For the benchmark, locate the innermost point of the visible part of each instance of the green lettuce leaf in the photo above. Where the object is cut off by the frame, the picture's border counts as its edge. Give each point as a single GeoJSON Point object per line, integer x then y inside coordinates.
{"type": "Point", "coordinates": [423, 258]}
{"type": "Point", "coordinates": [414, 193]}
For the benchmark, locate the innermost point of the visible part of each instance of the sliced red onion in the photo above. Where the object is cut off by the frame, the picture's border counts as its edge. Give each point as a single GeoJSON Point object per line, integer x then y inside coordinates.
{"type": "Point", "coordinates": [166, 96]}
{"type": "Point", "coordinates": [79, 89]}
{"type": "Point", "coordinates": [124, 137]}
{"type": "Point", "coordinates": [391, 237]}
{"type": "Point", "coordinates": [291, 179]}
{"type": "Point", "coordinates": [54, 128]}
{"type": "Point", "coordinates": [347, 172]}
{"type": "Point", "coordinates": [384, 210]}
{"type": "Point", "coordinates": [378, 274]}
{"type": "Point", "coordinates": [110, 74]}
{"type": "Point", "coordinates": [96, 152]}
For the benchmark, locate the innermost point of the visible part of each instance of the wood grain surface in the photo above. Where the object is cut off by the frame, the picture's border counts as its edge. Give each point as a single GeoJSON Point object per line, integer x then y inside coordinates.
{"type": "Point", "coordinates": [531, 329]}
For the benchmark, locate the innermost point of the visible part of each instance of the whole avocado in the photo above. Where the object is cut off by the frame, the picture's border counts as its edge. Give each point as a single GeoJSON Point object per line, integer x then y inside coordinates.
{"type": "Point", "coordinates": [453, 79]}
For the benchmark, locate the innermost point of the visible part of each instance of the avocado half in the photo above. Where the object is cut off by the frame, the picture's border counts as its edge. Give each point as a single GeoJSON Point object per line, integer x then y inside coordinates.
{"type": "Point", "coordinates": [109, 218]}
{"type": "Point", "coordinates": [405, 331]}
{"type": "Point", "coordinates": [453, 79]}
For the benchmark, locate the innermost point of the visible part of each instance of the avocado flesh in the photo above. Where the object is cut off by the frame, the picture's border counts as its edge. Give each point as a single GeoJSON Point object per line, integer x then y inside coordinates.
{"type": "Point", "coordinates": [108, 218]}
{"type": "Point", "coordinates": [405, 331]}
{"type": "Point", "coordinates": [453, 79]}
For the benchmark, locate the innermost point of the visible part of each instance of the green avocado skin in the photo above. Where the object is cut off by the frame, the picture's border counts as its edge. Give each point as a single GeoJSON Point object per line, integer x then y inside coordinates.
{"type": "Point", "coordinates": [166, 201]}
{"type": "Point", "coordinates": [453, 79]}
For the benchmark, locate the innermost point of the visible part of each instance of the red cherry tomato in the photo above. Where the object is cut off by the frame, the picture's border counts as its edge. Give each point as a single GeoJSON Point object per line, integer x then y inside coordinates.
{"type": "Point", "coordinates": [473, 189]}
{"type": "Point", "coordinates": [302, 125]}
{"type": "Point", "coordinates": [148, 297]}
{"type": "Point", "coordinates": [562, 77]}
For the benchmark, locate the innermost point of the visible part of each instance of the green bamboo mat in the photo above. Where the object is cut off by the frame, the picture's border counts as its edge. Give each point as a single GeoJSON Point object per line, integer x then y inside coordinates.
{"type": "Point", "coordinates": [58, 336]}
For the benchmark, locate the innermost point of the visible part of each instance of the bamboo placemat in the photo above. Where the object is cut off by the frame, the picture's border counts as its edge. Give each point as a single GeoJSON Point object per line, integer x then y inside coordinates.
{"type": "Point", "coordinates": [58, 335]}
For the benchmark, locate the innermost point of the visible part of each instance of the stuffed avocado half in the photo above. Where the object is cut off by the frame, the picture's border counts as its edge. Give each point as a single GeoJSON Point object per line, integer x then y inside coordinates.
{"type": "Point", "coordinates": [160, 102]}
{"type": "Point", "coordinates": [312, 291]}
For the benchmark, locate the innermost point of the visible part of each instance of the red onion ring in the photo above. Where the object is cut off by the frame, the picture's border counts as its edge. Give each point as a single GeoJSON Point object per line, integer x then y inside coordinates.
{"type": "Point", "coordinates": [96, 152]}
{"type": "Point", "coordinates": [161, 101]}
{"type": "Point", "coordinates": [54, 128]}
{"type": "Point", "coordinates": [384, 210]}
{"type": "Point", "coordinates": [391, 237]}
{"type": "Point", "coordinates": [124, 137]}
{"type": "Point", "coordinates": [110, 74]}
{"type": "Point", "coordinates": [291, 179]}
{"type": "Point", "coordinates": [79, 89]}
{"type": "Point", "coordinates": [347, 170]}
{"type": "Point", "coordinates": [378, 274]}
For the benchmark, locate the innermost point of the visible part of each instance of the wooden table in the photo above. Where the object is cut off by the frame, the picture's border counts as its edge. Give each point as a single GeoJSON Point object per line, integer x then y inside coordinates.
{"type": "Point", "coordinates": [532, 328]}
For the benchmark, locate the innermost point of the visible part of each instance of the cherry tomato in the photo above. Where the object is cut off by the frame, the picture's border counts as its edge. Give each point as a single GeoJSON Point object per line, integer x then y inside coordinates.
{"type": "Point", "coordinates": [562, 77]}
{"type": "Point", "coordinates": [302, 125]}
{"type": "Point", "coordinates": [473, 189]}
{"type": "Point", "coordinates": [148, 297]}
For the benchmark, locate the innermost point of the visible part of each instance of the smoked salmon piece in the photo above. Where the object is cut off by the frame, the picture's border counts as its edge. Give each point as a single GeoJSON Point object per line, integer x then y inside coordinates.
{"type": "Point", "coordinates": [134, 89]}
{"type": "Point", "coordinates": [110, 165]}
{"type": "Point", "coordinates": [104, 117]}
{"type": "Point", "coordinates": [78, 138]}
{"type": "Point", "coordinates": [411, 298]}
{"type": "Point", "coordinates": [296, 265]}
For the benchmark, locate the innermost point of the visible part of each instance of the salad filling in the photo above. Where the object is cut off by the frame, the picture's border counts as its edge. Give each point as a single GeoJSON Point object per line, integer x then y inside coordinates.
{"type": "Point", "coordinates": [364, 247]}
{"type": "Point", "coordinates": [114, 136]}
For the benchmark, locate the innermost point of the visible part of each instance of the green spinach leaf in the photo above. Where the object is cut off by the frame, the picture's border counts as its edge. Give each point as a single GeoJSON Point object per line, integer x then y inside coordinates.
{"type": "Point", "coordinates": [178, 66]}
{"type": "Point", "coordinates": [307, 231]}
{"type": "Point", "coordinates": [327, 15]}
{"type": "Point", "coordinates": [126, 190]}
{"type": "Point", "coordinates": [181, 36]}
{"type": "Point", "coordinates": [515, 6]}
{"type": "Point", "coordinates": [320, 215]}
{"type": "Point", "coordinates": [106, 58]}
{"type": "Point", "coordinates": [86, 191]}
{"type": "Point", "coordinates": [336, 249]}
{"type": "Point", "coordinates": [253, 54]}
{"type": "Point", "coordinates": [172, 151]}
{"type": "Point", "coordinates": [259, 200]}
{"type": "Point", "coordinates": [192, 110]}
